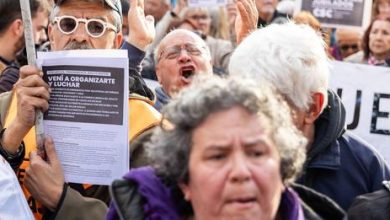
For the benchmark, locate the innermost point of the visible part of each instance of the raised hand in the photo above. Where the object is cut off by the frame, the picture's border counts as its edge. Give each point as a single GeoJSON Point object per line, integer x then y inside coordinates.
{"type": "Point", "coordinates": [247, 18]}
{"type": "Point", "coordinates": [141, 27]}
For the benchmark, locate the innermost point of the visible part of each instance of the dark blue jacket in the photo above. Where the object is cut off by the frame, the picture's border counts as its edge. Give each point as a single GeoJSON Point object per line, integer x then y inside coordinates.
{"type": "Point", "coordinates": [339, 164]}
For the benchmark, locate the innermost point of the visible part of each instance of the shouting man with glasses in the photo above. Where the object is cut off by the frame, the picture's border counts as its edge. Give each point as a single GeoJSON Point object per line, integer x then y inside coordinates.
{"type": "Point", "coordinates": [75, 24]}
{"type": "Point", "coordinates": [179, 57]}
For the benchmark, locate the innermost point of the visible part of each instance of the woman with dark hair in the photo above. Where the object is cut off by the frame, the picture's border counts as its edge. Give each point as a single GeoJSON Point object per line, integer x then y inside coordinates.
{"type": "Point", "coordinates": [375, 45]}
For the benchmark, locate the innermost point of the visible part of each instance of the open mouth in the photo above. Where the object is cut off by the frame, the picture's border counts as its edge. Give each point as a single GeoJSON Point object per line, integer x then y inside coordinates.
{"type": "Point", "coordinates": [187, 73]}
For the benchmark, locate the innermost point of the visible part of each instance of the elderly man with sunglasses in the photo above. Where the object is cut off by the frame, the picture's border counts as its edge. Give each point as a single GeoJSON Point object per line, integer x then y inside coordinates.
{"type": "Point", "coordinates": [75, 24]}
{"type": "Point", "coordinates": [347, 43]}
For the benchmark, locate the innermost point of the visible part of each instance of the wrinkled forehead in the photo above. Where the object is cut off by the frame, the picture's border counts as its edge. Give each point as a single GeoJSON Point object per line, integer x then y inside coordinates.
{"type": "Point", "coordinates": [181, 37]}
{"type": "Point", "coordinates": [380, 24]}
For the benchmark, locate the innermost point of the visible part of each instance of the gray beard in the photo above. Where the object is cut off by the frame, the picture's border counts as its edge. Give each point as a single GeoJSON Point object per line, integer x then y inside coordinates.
{"type": "Point", "coordinates": [74, 45]}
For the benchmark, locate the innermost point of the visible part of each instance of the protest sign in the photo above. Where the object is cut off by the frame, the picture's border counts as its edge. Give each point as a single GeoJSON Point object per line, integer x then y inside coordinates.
{"type": "Point", "coordinates": [206, 3]}
{"type": "Point", "coordinates": [338, 13]}
{"type": "Point", "coordinates": [88, 110]}
{"type": "Point", "coordinates": [365, 93]}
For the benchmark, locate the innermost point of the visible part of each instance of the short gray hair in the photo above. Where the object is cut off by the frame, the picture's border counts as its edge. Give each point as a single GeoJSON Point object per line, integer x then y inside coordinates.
{"type": "Point", "coordinates": [291, 57]}
{"type": "Point", "coordinates": [170, 146]}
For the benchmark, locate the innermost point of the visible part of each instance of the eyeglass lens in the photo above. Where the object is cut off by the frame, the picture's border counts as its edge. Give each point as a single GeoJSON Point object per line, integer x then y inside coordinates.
{"type": "Point", "coordinates": [68, 25]}
{"type": "Point", "coordinates": [175, 51]}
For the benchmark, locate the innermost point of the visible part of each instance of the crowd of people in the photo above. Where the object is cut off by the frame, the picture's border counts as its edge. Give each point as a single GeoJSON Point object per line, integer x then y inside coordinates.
{"type": "Point", "coordinates": [232, 116]}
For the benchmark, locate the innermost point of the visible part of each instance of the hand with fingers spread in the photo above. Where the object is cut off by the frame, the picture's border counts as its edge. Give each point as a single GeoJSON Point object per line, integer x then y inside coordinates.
{"type": "Point", "coordinates": [142, 31]}
{"type": "Point", "coordinates": [45, 180]}
{"type": "Point", "coordinates": [246, 21]}
{"type": "Point", "coordinates": [32, 93]}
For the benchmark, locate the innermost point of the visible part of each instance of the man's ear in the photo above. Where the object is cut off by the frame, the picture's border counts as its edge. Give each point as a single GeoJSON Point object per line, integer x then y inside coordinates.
{"type": "Point", "coordinates": [118, 40]}
{"type": "Point", "coordinates": [185, 189]}
{"type": "Point", "coordinates": [17, 27]}
{"type": "Point", "coordinates": [158, 69]}
{"type": "Point", "coordinates": [315, 108]}
{"type": "Point", "coordinates": [50, 34]}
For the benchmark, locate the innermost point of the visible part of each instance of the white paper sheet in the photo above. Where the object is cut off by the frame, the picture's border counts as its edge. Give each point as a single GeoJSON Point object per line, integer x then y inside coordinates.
{"type": "Point", "coordinates": [88, 113]}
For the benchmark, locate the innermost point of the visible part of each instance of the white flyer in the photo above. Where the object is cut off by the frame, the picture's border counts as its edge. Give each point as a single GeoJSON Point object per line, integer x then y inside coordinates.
{"type": "Point", "coordinates": [88, 112]}
{"type": "Point", "coordinates": [206, 3]}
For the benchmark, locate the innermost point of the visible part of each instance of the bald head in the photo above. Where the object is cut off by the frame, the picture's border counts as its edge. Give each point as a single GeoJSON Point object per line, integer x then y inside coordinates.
{"type": "Point", "coordinates": [348, 40]}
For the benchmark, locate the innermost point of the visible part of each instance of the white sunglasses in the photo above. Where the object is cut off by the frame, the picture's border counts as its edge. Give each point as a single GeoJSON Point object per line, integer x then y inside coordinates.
{"type": "Point", "coordinates": [94, 27]}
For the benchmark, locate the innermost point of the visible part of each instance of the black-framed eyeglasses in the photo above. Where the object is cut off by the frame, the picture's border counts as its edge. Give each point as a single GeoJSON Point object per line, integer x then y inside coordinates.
{"type": "Point", "coordinates": [94, 27]}
{"type": "Point", "coordinates": [174, 52]}
{"type": "Point", "coordinates": [349, 46]}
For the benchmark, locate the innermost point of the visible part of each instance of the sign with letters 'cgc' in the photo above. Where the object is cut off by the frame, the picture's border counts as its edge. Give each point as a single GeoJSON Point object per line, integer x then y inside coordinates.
{"type": "Point", "coordinates": [338, 13]}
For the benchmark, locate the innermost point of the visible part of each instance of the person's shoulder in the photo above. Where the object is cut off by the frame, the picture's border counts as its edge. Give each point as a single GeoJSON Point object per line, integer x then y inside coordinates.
{"type": "Point", "coordinates": [10, 72]}
{"type": "Point", "coordinates": [373, 205]}
{"type": "Point", "coordinates": [144, 104]}
{"type": "Point", "coordinates": [316, 204]}
{"type": "Point", "coordinates": [11, 69]}
{"type": "Point", "coordinates": [360, 149]}
{"type": "Point", "coordinates": [356, 143]}
{"type": "Point", "coordinates": [143, 115]}
{"type": "Point", "coordinates": [128, 201]}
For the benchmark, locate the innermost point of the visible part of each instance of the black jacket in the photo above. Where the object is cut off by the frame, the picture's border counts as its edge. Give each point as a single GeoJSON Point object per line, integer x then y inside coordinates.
{"type": "Point", "coordinates": [375, 206]}
{"type": "Point", "coordinates": [339, 164]}
{"type": "Point", "coordinates": [129, 203]}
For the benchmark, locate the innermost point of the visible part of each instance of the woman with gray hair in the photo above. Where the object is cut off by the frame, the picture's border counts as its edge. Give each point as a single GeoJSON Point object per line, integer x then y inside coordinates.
{"type": "Point", "coordinates": [227, 149]}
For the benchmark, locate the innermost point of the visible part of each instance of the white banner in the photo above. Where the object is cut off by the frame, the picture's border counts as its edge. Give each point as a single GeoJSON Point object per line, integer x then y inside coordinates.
{"type": "Point", "coordinates": [365, 92]}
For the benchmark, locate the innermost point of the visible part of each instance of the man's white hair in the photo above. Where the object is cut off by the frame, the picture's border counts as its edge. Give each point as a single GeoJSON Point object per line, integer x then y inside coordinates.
{"type": "Point", "coordinates": [291, 57]}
